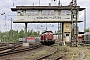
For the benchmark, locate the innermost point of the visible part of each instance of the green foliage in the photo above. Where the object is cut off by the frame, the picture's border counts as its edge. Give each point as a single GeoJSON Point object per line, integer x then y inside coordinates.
{"type": "Point", "coordinates": [21, 34]}
{"type": "Point", "coordinates": [87, 30]}
{"type": "Point", "coordinates": [59, 31]}
{"type": "Point", "coordinates": [34, 34]}
{"type": "Point", "coordinates": [13, 36]}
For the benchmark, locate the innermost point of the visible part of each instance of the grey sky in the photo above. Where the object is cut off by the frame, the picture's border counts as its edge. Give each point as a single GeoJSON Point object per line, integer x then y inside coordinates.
{"type": "Point", "coordinates": [5, 6]}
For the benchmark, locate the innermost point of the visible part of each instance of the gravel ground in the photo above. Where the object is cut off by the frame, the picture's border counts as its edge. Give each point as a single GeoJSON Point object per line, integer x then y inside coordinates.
{"type": "Point", "coordinates": [78, 53]}
{"type": "Point", "coordinates": [86, 52]}
{"type": "Point", "coordinates": [73, 53]}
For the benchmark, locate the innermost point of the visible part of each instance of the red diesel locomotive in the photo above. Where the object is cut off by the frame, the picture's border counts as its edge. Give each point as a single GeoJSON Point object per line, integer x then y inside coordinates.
{"type": "Point", "coordinates": [47, 38]}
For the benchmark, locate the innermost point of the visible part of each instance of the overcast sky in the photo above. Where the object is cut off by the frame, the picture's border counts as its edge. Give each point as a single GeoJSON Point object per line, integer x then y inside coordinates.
{"type": "Point", "coordinates": [5, 6]}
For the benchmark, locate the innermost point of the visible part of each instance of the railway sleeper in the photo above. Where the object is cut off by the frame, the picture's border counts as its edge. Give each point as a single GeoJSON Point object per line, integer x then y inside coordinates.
{"type": "Point", "coordinates": [18, 50]}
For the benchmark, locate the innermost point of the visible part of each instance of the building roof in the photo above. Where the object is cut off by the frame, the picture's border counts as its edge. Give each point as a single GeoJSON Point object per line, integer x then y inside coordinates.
{"type": "Point", "coordinates": [45, 8]}
{"type": "Point", "coordinates": [43, 21]}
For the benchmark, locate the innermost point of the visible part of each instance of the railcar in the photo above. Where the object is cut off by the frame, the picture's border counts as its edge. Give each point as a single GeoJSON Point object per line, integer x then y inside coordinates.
{"type": "Point", "coordinates": [47, 38]}
{"type": "Point", "coordinates": [86, 38]}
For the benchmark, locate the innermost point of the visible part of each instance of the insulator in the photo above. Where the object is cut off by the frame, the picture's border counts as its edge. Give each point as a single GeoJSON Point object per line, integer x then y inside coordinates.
{"type": "Point", "coordinates": [54, 0]}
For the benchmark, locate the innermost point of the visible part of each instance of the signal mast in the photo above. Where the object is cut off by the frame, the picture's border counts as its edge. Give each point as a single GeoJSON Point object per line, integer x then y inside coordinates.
{"type": "Point", "coordinates": [74, 12]}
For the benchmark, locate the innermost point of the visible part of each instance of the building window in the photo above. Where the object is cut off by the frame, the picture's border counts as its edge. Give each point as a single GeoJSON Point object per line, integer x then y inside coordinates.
{"type": "Point", "coordinates": [20, 13]}
{"type": "Point", "coordinates": [32, 12]}
{"type": "Point", "coordinates": [65, 12]}
{"type": "Point", "coordinates": [47, 12]}
{"type": "Point", "coordinates": [67, 26]}
{"type": "Point", "coordinates": [27, 12]}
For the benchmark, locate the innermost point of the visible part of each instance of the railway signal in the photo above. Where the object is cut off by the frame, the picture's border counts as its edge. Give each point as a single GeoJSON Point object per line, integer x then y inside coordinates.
{"type": "Point", "coordinates": [74, 11]}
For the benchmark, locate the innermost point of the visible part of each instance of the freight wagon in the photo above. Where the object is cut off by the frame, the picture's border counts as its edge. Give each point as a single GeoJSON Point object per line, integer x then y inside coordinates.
{"type": "Point", "coordinates": [30, 39]}
{"type": "Point", "coordinates": [86, 38]}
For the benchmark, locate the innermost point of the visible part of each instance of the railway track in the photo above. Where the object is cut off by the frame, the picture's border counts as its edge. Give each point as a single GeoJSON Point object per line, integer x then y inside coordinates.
{"type": "Point", "coordinates": [17, 48]}
{"type": "Point", "coordinates": [9, 47]}
{"type": "Point", "coordinates": [47, 57]}
{"type": "Point", "coordinates": [2, 44]}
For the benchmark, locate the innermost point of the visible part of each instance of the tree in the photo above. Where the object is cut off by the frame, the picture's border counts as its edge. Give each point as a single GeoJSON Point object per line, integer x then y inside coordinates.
{"type": "Point", "coordinates": [13, 36]}
{"type": "Point", "coordinates": [21, 34]}
{"type": "Point", "coordinates": [87, 30]}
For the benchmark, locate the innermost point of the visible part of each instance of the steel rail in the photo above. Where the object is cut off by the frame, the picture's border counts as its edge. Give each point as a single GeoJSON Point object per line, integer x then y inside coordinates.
{"type": "Point", "coordinates": [12, 51]}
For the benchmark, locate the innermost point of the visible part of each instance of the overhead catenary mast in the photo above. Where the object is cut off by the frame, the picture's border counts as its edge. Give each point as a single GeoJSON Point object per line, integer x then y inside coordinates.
{"type": "Point", "coordinates": [39, 2]}
{"type": "Point", "coordinates": [59, 24]}
{"type": "Point", "coordinates": [74, 12]}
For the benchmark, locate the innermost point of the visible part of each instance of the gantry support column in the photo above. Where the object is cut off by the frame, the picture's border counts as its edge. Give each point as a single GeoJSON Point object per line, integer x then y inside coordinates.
{"type": "Point", "coordinates": [25, 32]}
{"type": "Point", "coordinates": [26, 44]}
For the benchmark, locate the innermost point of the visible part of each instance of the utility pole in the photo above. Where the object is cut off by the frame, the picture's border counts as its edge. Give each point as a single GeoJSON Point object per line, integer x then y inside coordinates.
{"type": "Point", "coordinates": [39, 2]}
{"type": "Point", "coordinates": [84, 20]}
{"type": "Point", "coordinates": [11, 31]}
{"type": "Point", "coordinates": [46, 26]}
{"type": "Point", "coordinates": [59, 24]}
{"type": "Point", "coordinates": [4, 14]}
{"type": "Point", "coordinates": [11, 23]}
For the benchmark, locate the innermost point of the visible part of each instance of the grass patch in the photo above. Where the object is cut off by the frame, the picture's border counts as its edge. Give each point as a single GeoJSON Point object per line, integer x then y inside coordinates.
{"type": "Point", "coordinates": [88, 47]}
{"type": "Point", "coordinates": [33, 55]}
